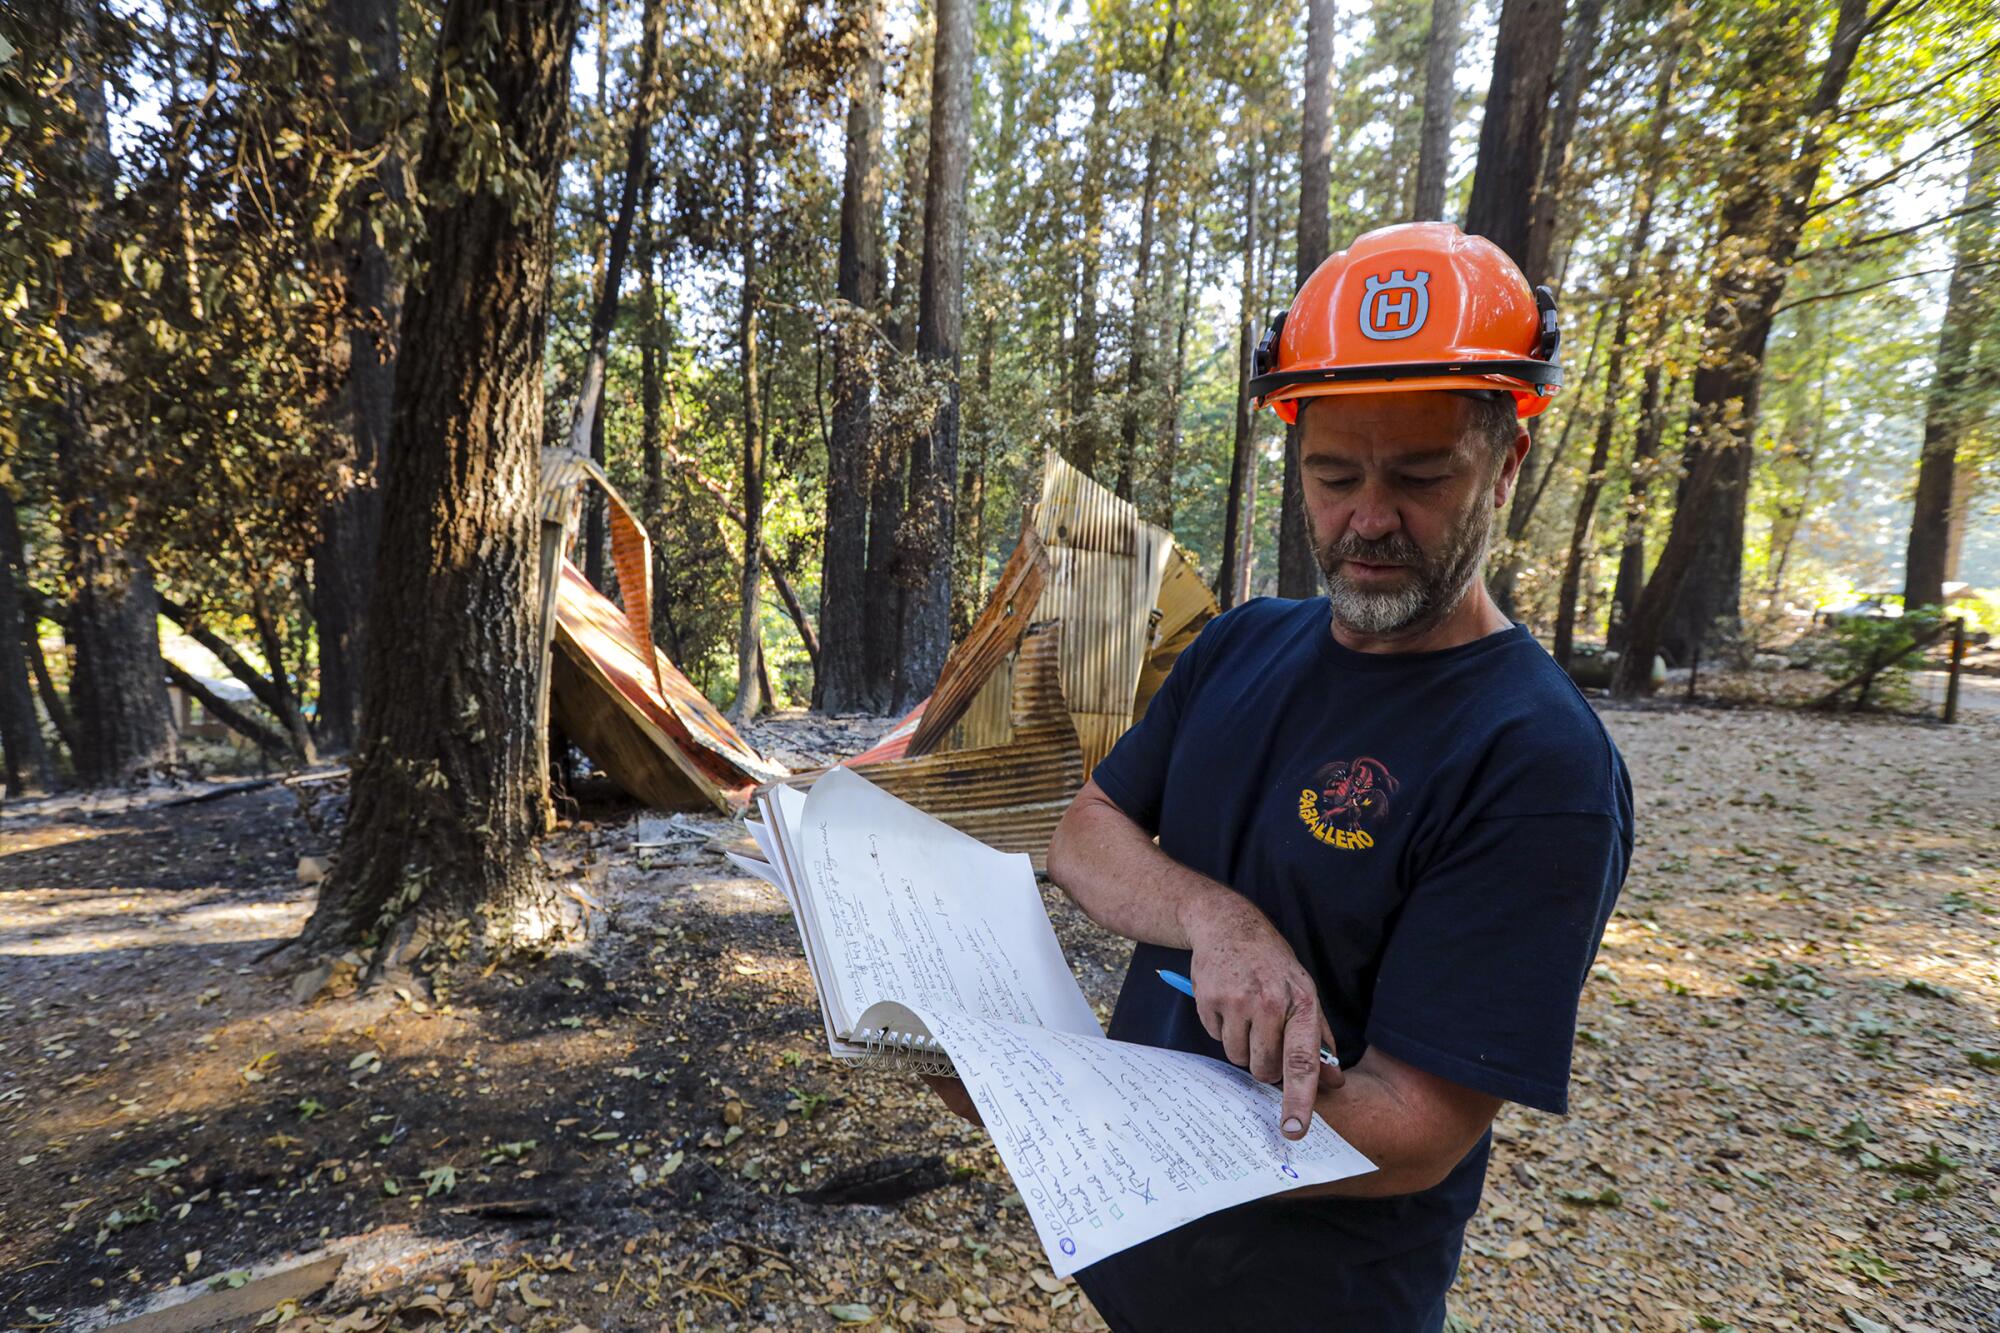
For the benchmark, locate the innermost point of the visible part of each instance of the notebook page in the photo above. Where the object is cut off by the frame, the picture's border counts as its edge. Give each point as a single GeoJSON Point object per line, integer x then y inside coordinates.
{"type": "Point", "coordinates": [1112, 1143]}
{"type": "Point", "coordinates": [907, 908]}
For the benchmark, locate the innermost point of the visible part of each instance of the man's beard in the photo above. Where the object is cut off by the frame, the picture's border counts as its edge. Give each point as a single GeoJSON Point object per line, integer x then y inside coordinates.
{"type": "Point", "coordinates": [1433, 584]}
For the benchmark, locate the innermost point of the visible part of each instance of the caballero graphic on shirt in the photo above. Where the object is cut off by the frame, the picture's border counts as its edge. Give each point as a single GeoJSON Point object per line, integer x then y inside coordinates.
{"type": "Point", "coordinates": [1343, 796]}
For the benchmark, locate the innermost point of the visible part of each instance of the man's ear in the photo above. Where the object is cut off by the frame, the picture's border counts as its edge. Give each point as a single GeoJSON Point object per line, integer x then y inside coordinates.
{"type": "Point", "coordinates": [1510, 467]}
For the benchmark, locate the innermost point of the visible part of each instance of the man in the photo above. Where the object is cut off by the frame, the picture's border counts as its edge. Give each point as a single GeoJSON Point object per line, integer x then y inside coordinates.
{"type": "Point", "coordinates": [1386, 820]}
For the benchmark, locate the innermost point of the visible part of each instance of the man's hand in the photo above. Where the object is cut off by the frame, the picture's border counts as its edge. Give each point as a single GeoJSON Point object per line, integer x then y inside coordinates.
{"type": "Point", "coordinates": [1258, 1000]}
{"type": "Point", "coordinates": [956, 1098]}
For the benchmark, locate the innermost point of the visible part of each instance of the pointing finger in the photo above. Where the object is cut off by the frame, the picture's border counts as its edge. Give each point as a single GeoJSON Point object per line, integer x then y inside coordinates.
{"type": "Point", "coordinates": [1302, 1066]}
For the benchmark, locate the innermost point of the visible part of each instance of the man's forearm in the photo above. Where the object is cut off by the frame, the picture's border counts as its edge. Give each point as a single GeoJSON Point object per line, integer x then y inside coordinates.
{"type": "Point", "coordinates": [1414, 1134]}
{"type": "Point", "coordinates": [1122, 881]}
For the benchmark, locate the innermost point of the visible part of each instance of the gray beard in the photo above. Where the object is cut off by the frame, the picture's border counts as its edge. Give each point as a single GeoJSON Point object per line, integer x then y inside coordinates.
{"type": "Point", "coordinates": [1437, 586]}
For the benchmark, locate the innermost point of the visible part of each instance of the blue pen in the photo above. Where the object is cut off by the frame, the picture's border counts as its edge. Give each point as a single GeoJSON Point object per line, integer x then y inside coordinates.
{"type": "Point", "coordinates": [1186, 987]}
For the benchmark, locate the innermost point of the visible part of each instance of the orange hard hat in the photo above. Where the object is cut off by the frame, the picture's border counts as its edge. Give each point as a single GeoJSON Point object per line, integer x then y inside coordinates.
{"type": "Point", "coordinates": [1420, 305]}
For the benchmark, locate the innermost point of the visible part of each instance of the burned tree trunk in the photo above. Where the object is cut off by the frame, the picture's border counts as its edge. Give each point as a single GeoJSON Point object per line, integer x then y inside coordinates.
{"type": "Point", "coordinates": [841, 677]}
{"type": "Point", "coordinates": [1510, 137]}
{"type": "Point", "coordinates": [28, 767]}
{"type": "Point", "coordinates": [1440, 98]}
{"type": "Point", "coordinates": [119, 694]}
{"type": "Point", "coordinates": [1298, 571]}
{"type": "Point", "coordinates": [446, 796]}
{"type": "Point", "coordinates": [1143, 308]}
{"type": "Point", "coordinates": [586, 430]}
{"type": "Point", "coordinates": [928, 538]}
{"type": "Point", "coordinates": [351, 524]}
{"type": "Point", "coordinates": [1233, 578]}
{"type": "Point", "coordinates": [1083, 432]}
{"type": "Point", "coordinates": [1546, 205]}
{"type": "Point", "coordinates": [751, 697]}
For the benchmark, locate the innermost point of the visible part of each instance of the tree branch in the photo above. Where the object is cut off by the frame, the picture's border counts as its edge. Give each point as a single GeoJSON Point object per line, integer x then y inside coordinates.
{"type": "Point", "coordinates": [1893, 172]}
{"type": "Point", "coordinates": [238, 721]}
{"type": "Point", "coordinates": [1871, 286]}
{"type": "Point", "coordinates": [267, 694]}
{"type": "Point", "coordinates": [1940, 81]}
{"type": "Point", "coordinates": [1877, 238]}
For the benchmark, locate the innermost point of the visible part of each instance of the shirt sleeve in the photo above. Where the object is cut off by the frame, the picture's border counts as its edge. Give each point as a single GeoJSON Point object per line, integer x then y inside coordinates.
{"type": "Point", "coordinates": [1134, 774]}
{"type": "Point", "coordinates": [1482, 973]}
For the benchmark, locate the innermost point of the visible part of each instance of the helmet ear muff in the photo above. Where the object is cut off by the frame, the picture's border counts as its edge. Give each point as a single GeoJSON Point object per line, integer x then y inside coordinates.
{"type": "Point", "coordinates": [1549, 333]}
{"type": "Point", "coordinates": [1264, 359]}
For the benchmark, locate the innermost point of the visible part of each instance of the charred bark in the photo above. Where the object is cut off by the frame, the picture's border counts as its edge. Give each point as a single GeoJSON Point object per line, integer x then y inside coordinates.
{"type": "Point", "coordinates": [1545, 212]}
{"type": "Point", "coordinates": [842, 672]}
{"type": "Point", "coordinates": [751, 697]}
{"type": "Point", "coordinates": [928, 538]}
{"type": "Point", "coordinates": [351, 524]}
{"type": "Point", "coordinates": [446, 797]}
{"type": "Point", "coordinates": [1440, 110]}
{"type": "Point", "coordinates": [1510, 137]}
{"type": "Point", "coordinates": [28, 766]}
{"type": "Point", "coordinates": [1234, 576]}
{"type": "Point", "coordinates": [1298, 571]}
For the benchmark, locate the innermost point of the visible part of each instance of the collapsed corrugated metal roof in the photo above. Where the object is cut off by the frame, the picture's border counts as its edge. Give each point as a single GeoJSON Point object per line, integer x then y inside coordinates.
{"type": "Point", "coordinates": [1107, 601]}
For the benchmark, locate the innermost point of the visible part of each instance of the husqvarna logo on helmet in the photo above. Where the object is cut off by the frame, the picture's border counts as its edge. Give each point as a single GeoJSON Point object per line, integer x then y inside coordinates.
{"type": "Point", "coordinates": [1395, 306]}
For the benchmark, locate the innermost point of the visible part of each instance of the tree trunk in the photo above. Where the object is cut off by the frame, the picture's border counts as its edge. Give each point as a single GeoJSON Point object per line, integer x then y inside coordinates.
{"type": "Point", "coordinates": [1964, 485]}
{"type": "Point", "coordinates": [889, 461]}
{"type": "Point", "coordinates": [750, 696]}
{"type": "Point", "coordinates": [343, 560]}
{"type": "Point", "coordinates": [1170, 410]}
{"type": "Point", "coordinates": [1507, 565]}
{"type": "Point", "coordinates": [123, 715]}
{"type": "Point", "coordinates": [1645, 453]}
{"type": "Point", "coordinates": [1510, 136]}
{"type": "Point", "coordinates": [841, 676]}
{"type": "Point", "coordinates": [1083, 433]}
{"type": "Point", "coordinates": [927, 541]}
{"type": "Point", "coordinates": [28, 767]}
{"type": "Point", "coordinates": [1234, 575]}
{"type": "Point", "coordinates": [447, 790]}
{"type": "Point", "coordinates": [1298, 571]}
{"type": "Point", "coordinates": [1781, 145]}
{"type": "Point", "coordinates": [1950, 411]}
{"type": "Point", "coordinates": [1144, 312]}
{"type": "Point", "coordinates": [1614, 373]}
{"type": "Point", "coordinates": [1440, 111]}
{"type": "Point", "coordinates": [1545, 211]}
{"type": "Point", "coordinates": [585, 425]}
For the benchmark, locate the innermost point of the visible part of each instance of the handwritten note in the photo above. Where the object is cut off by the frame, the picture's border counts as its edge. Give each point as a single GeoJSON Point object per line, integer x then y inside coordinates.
{"type": "Point", "coordinates": [907, 908]}
{"type": "Point", "coordinates": [1111, 1144]}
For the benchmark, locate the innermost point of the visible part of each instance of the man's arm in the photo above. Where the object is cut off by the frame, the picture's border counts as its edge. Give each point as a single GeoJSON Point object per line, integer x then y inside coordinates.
{"type": "Point", "coordinates": [1256, 998]}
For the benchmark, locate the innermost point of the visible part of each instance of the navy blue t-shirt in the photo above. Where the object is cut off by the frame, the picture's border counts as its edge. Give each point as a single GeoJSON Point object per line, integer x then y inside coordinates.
{"type": "Point", "coordinates": [1440, 837]}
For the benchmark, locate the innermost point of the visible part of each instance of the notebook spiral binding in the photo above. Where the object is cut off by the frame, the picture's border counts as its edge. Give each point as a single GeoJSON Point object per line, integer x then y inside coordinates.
{"type": "Point", "coordinates": [913, 1052]}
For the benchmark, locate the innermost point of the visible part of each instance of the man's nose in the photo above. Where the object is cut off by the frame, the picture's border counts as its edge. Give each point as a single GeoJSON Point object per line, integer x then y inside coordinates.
{"type": "Point", "coordinates": [1374, 515]}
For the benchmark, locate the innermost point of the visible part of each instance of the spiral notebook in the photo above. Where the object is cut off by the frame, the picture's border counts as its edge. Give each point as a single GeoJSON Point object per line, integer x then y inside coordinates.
{"type": "Point", "coordinates": [931, 952]}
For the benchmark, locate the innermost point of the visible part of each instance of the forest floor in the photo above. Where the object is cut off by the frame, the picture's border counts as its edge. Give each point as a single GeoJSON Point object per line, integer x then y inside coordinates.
{"type": "Point", "coordinates": [1786, 1112]}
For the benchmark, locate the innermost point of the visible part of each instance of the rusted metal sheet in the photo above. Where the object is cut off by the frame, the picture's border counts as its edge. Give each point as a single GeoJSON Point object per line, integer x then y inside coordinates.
{"type": "Point", "coordinates": [1008, 796]}
{"type": "Point", "coordinates": [1107, 564]}
{"type": "Point", "coordinates": [618, 697]}
{"type": "Point", "coordinates": [989, 644]}
{"type": "Point", "coordinates": [593, 635]}
{"type": "Point", "coordinates": [1184, 605]}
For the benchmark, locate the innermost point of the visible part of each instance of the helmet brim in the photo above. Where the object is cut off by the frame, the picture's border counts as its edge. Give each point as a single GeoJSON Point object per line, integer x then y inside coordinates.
{"type": "Point", "coordinates": [1528, 401]}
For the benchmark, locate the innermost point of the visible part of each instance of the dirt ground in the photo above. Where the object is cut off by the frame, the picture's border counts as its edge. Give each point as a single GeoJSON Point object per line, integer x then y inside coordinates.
{"type": "Point", "coordinates": [1785, 1111]}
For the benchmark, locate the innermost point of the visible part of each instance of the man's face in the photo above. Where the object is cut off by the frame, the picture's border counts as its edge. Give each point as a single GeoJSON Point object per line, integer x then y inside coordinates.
{"type": "Point", "coordinates": [1399, 499]}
